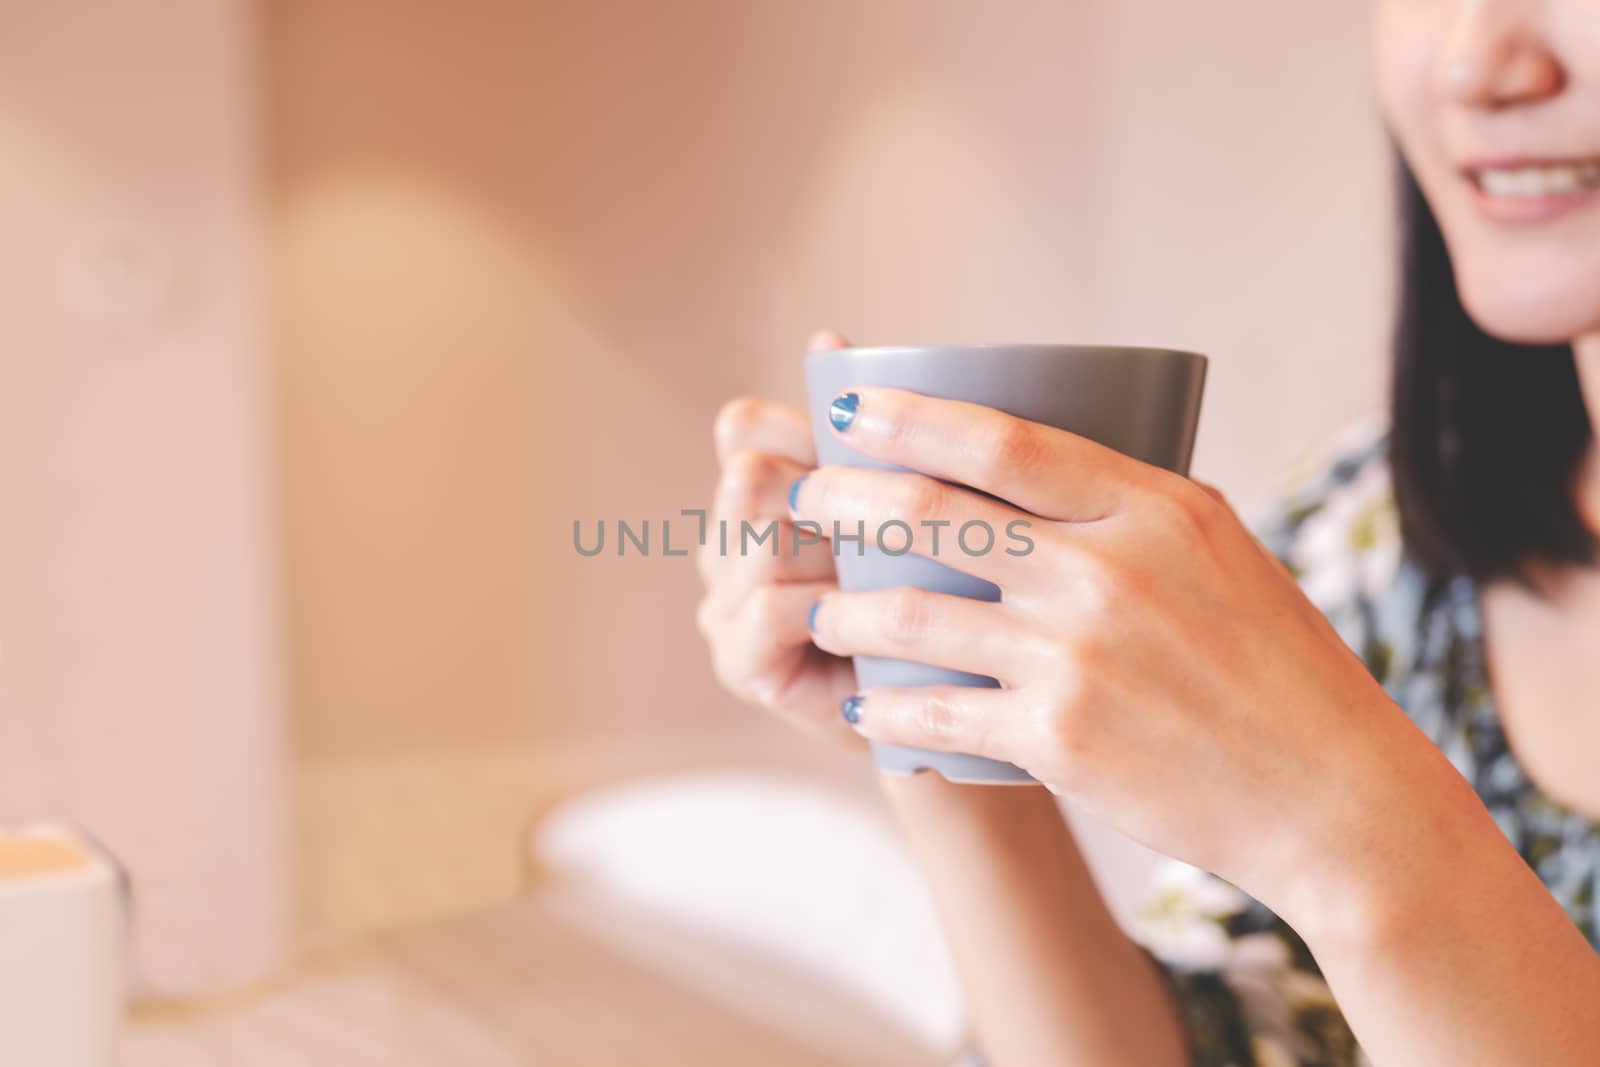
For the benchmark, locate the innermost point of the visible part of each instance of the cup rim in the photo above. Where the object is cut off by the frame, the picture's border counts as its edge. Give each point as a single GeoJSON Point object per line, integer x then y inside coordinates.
{"type": "Point", "coordinates": [1011, 348]}
{"type": "Point", "coordinates": [98, 868]}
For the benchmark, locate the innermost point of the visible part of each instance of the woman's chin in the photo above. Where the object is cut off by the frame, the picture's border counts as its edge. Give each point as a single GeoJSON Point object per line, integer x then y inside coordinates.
{"type": "Point", "coordinates": [1531, 315]}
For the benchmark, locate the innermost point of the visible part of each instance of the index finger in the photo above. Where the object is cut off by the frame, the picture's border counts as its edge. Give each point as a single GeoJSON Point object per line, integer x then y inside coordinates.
{"type": "Point", "coordinates": [1050, 472]}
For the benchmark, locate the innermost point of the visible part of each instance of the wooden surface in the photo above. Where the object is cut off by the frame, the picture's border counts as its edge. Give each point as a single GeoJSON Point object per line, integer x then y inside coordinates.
{"type": "Point", "coordinates": [559, 978]}
{"type": "Point", "coordinates": [402, 838]}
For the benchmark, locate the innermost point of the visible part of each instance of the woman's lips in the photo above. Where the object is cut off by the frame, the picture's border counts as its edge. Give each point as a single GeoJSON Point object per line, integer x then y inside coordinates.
{"type": "Point", "coordinates": [1528, 190]}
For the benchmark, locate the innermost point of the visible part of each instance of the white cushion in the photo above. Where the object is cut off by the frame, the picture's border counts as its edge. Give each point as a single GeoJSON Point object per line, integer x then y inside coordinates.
{"type": "Point", "coordinates": [778, 865]}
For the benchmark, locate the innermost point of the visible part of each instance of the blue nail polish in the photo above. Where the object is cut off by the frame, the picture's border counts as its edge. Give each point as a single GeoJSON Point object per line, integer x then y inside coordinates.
{"type": "Point", "coordinates": [842, 412]}
{"type": "Point", "coordinates": [794, 492]}
{"type": "Point", "coordinates": [851, 709]}
{"type": "Point", "coordinates": [811, 618]}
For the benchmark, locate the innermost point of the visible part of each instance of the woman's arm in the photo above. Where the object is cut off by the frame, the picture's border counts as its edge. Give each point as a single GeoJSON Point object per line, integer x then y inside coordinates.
{"type": "Point", "coordinates": [1441, 945]}
{"type": "Point", "coordinates": [1438, 942]}
{"type": "Point", "coordinates": [1163, 670]}
{"type": "Point", "coordinates": [1049, 976]}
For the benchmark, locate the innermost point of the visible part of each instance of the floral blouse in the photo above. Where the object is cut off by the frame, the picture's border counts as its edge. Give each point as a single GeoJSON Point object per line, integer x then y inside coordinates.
{"type": "Point", "coordinates": [1249, 992]}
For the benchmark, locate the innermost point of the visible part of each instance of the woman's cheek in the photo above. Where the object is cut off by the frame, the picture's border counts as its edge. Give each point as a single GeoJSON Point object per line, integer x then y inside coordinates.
{"type": "Point", "coordinates": [1407, 36]}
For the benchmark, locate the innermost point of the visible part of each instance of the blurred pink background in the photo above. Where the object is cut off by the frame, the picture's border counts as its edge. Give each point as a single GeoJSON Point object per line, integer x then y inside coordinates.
{"type": "Point", "coordinates": [321, 323]}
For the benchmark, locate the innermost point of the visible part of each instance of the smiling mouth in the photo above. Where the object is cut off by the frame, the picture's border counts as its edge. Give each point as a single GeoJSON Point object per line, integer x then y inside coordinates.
{"type": "Point", "coordinates": [1529, 191]}
{"type": "Point", "coordinates": [1530, 181]}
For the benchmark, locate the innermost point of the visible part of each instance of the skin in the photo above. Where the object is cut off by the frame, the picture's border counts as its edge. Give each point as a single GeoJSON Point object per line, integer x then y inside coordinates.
{"type": "Point", "coordinates": [1492, 80]}
{"type": "Point", "coordinates": [1163, 671]}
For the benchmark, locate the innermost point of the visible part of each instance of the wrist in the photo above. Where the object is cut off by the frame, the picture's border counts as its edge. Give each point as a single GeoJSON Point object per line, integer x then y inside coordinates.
{"type": "Point", "coordinates": [1409, 843]}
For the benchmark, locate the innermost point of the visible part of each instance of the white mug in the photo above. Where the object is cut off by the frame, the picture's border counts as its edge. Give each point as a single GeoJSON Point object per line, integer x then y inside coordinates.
{"type": "Point", "coordinates": [63, 963]}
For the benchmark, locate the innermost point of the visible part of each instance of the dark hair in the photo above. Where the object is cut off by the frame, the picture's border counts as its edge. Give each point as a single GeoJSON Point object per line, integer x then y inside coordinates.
{"type": "Point", "coordinates": [1485, 435]}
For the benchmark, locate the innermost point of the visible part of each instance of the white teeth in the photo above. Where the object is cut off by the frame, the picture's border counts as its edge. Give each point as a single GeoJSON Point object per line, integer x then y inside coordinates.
{"type": "Point", "coordinates": [1540, 181]}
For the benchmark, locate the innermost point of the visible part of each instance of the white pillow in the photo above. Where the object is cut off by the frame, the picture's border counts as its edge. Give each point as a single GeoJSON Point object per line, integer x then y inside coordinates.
{"type": "Point", "coordinates": [778, 865]}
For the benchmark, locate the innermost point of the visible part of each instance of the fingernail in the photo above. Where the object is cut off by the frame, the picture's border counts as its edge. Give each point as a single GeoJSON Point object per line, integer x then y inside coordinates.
{"type": "Point", "coordinates": [811, 618]}
{"type": "Point", "coordinates": [851, 709]}
{"type": "Point", "coordinates": [794, 492]}
{"type": "Point", "coordinates": [842, 412]}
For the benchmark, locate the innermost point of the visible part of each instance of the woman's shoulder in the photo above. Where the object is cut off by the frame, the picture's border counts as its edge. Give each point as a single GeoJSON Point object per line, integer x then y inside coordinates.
{"type": "Point", "coordinates": [1333, 522]}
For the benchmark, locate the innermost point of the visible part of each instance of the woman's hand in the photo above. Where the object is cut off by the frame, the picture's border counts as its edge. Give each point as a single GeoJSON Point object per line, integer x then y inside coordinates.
{"type": "Point", "coordinates": [1159, 666]}
{"type": "Point", "coordinates": [754, 612]}
{"type": "Point", "coordinates": [1049, 975]}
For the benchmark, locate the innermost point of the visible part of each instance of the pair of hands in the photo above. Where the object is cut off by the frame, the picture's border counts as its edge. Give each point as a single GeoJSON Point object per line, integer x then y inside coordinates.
{"type": "Point", "coordinates": [1158, 666]}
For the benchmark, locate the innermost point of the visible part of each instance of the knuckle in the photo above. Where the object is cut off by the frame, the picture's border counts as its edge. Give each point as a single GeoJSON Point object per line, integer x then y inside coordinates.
{"type": "Point", "coordinates": [1191, 512]}
{"type": "Point", "coordinates": [735, 421]}
{"type": "Point", "coordinates": [906, 614]}
{"type": "Point", "coordinates": [921, 497]}
{"type": "Point", "coordinates": [1041, 651]}
{"type": "Point", "coordinates": [938, 720]}
{"type": "Point", "coordinates": [1012, 447]}
{"type": "Point", "coordinates": [1214, 493]}
{"type": "Point", "coordinates": [1090, 580]}
{"type": "Point", "coordinates": [1097, 590]}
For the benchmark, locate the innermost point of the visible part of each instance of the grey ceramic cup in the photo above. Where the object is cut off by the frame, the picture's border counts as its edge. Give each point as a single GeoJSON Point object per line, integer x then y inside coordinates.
{"type": "Point", "coordinates": [1144, 402]}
